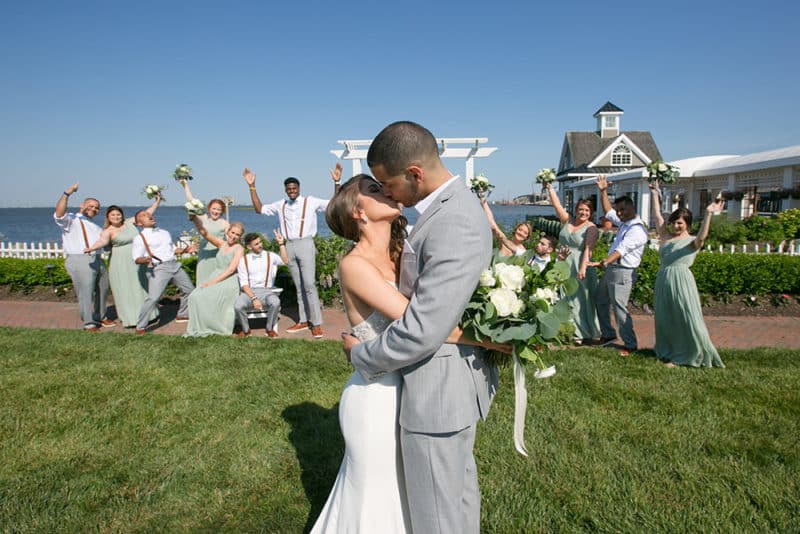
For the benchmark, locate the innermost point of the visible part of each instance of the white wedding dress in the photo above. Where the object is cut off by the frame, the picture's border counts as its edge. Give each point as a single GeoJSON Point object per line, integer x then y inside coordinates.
{"type": "Point", "coordinates": [369, 494]}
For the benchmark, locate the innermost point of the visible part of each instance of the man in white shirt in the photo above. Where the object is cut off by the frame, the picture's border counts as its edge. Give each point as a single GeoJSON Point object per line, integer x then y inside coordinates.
{"type": "Point", "coordinates": [542, 252]}
{"type": "Point", "coordinates": [297, 219]}
{"type": "Point", "coordinates": [624, 256]}
{"type": "Point", "coordinates": [87, 271]}
{"type": "Point", "coordinates": [153, 247]}
{"type": "Point", "coordinates": [257, 270]}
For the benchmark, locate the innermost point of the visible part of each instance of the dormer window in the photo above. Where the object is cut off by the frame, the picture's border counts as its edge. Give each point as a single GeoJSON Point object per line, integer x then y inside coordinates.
{"type": "Point", "coordinates": [610, 122]}
{"type": "Point", "coordinates": [621, 157]}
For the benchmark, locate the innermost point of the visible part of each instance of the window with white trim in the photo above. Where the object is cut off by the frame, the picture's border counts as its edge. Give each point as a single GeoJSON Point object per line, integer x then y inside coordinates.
{"type": "Point", "coordinates": [621, 156]}
{"type": "Point", "coordinates": [609, 121]}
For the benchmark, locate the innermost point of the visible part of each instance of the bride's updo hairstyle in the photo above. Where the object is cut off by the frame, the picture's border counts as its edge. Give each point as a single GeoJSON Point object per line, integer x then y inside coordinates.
{"type": "Point", "coordinates": [339, 216]}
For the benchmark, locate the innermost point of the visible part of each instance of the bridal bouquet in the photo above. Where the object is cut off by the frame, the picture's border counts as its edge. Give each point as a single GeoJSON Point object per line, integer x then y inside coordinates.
{"type": "Point", "coordinates": [663, 172]}
{"type": "Point", "coordinates": [152, 190]}
{"type": "Point", "coordinates": [545, 176]}
{"type": "Point", "coordinates": [517, 305]}
{"type": "Point", "coordinates": [480, 185]}
{"type": "Point", "coordinates": [182, 172]}
{"type": "Point", "coordinates": [195, 207]}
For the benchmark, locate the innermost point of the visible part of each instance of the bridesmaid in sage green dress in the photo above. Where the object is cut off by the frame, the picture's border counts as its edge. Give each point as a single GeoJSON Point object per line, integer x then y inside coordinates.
{"type": "Point", "coordinates": [216, 226]}
{"type": "Point", "coordinates": [127, 279]}
{"type": "Point", "coordinates": [509, 247]}
{"type": "Point", "coordinates": [211, 304]}
{"type": "Point", "coordinates": [580, 235]}
{"type": "Point", "coordinates": [681, 334]}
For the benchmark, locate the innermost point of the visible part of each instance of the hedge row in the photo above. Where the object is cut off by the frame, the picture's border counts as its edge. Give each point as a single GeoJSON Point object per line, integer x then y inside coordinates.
{"type": "Point", "coordinates": [716, 274]}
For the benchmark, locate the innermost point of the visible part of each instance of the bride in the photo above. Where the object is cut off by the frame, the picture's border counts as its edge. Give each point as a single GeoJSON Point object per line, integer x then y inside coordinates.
{"type": "Point", "coordinates": [369, 492]}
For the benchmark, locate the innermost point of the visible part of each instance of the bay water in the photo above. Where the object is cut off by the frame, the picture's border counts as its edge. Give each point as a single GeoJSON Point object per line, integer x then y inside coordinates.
{"type": "Point", "coordinates": [35, 225]}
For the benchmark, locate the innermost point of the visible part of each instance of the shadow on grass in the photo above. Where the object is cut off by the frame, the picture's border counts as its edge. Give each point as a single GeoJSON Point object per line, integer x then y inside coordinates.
{"type": "Point", "coordinates": [318, 442]}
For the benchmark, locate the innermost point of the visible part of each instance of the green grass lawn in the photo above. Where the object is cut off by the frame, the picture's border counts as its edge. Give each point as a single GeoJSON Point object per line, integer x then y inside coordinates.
{"type": "Point", "coordinates": [116, 432]}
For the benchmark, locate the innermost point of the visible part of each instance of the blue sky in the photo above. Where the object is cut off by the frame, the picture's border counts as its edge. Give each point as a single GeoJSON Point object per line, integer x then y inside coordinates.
{"type": "Point", "coordinates": [115, 94]}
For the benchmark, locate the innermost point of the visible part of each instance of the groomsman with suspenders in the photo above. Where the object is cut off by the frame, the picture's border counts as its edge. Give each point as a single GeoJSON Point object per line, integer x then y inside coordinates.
{"type": "Point", "coordinates": [624, 257]}
{"type": "Point", "coordinates": [297, 219]}
{"type": "Point", "coordinates": [153, 247]}
{"type": "Point", "coordinates": [88, 271]}
{"type": "Point", "coordinates": [257, 270]}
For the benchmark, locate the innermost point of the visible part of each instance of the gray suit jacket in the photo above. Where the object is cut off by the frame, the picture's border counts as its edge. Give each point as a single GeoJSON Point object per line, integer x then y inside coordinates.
{"type": "Point", "coordinates": [446, 387]}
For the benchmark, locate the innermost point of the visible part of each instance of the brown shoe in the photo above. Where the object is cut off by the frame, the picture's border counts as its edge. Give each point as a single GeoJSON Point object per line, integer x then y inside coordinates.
{"type": "Point", "coordinates": [299, 327]}
{"type": "Point", "coordinates": [92, 329]}
{"type": "Point", "coordinates": [316, 332]}
{"type": "Point", "coordinates": [140, 331]}
{"type": "Point", "coordinates": [107, 323]}
{"type": "Point", "coordinates": [181, 319]}
{"type": "Point", "coordinates": [241, 334]}
{"type": "Point", "coordinates": [272, 334]}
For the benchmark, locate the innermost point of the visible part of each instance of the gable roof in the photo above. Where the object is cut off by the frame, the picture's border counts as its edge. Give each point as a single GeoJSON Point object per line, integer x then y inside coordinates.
{"type": "Point", "coordinates": [584, 147]}
{"type": "Point", "coordinates": [608, 107]}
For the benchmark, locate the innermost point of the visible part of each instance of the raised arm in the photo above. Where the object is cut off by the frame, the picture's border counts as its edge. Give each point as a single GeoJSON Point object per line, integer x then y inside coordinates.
{"type": "Point", "coordinates": [715, 208]}
{"type": "Point", "coordinates": [602, 185]}
{"type": "Point", "coordinates": [250, 178]}
{"type": "Point", "coordinates": [661, 228]}
{"type": "Point", "coordinates": [214, 240]}
{"type": "Point", "coordinates": [561, 213]}
{"type": "Point", "coordinates": [154, 206]}
{"type": "Point", "coordinates": [61, 205]}
{"type": "Point", "coordinates": [505, 242]}
{"type": "Point", "coordinates": [281, 246]}
{"type": "Point", "coordinates": [336, 175]}
{"type": "Point", "coordinates": [229, 270]}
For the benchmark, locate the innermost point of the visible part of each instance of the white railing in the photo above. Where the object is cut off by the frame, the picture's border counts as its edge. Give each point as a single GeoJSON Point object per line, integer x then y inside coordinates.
{"type": "Point", "coordinates": [29, 251]}
{"type": "Point", "coordinates": [791, 248]}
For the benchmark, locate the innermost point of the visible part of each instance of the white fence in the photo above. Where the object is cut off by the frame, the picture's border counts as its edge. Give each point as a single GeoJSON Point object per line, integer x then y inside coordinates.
{"type": "Point", "coordinates": [31, 251]}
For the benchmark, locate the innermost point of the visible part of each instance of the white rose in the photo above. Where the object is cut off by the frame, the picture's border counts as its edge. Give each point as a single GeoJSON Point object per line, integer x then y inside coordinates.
{"type": "Point", "coordinates": [545, 293]}
{"type": "Point", "coordinates": [188, 206]}
{"type": "Point", "coordinates": [510, 276]}
{"type": "Point", "coordinates": [487, 279]}
{"type": "Point", "coordinates": [662, 167]}
{"type": "Point", "coordinates": [505, 301]}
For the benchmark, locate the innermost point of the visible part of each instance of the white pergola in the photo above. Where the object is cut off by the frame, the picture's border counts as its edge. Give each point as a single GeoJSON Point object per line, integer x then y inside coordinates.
{"type": "Point", "coordinates": [467, 148]}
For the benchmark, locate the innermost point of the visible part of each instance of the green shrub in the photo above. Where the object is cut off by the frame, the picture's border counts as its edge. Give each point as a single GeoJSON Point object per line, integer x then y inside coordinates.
{"type": "Point", "coordinates": [764, 229]}
{"type": "Point", "coordinates": [723, 231]}
{"type": "Point", "coordinates": [790, 220]}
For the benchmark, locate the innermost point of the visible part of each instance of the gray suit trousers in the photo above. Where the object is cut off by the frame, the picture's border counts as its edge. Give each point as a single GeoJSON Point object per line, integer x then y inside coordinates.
{"type": "Point", "coordinates": [303, 268]}
{"type": "Point", "coordinates": [442, 488]}
{"type": "Point", "coordinates": [270, 301]}
{"type": "Point", "coordinates": [614, 290]}
{"type": "Point", "coordinates": [157, 279]}
{"type": "Point", "coordinates": [90, 280]}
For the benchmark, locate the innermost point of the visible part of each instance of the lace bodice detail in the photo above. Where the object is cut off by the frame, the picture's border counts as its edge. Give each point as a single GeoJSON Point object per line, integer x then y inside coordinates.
{"type": "Point", "coordinates": [371, 326]}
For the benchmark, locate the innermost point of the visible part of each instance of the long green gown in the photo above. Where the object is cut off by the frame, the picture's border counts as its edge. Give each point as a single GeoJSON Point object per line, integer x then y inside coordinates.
{"type": "Point", "coordinates": [211, 308]}
{"type": "Point", "coordinates": [681, 334]}
{"type": "Point", "coordinates": [127, 279]}
{"type": "Point", "coordinates": [206, 256]}
{"type": "Point", "coordinates": [584, 314]}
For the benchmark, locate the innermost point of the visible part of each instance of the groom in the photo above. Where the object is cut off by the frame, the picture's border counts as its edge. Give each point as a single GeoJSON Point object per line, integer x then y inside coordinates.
{"type": "Point", "coordinates": [446, 388]}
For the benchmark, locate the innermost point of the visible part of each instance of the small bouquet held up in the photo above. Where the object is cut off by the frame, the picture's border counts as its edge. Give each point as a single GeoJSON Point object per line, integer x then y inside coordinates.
{"type": "Point", "coordinates": [182, 172]}
{"type": "Point", "coordinates": [195, 207]}
{"type": "Point", "coordinates": [516, 304]}
{"type": "Point", "coordinates": [152, 190]}
{"type": "Point", "coordinates": [663, 172]}
{"type": "Point", "coordinates": [480, 185]}
{"type": "Point", "coordinates": [546, 176]}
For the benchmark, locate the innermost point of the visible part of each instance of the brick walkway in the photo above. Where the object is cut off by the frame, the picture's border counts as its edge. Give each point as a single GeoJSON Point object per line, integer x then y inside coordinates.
{"type": "Point", "coordinates": [726, 332]}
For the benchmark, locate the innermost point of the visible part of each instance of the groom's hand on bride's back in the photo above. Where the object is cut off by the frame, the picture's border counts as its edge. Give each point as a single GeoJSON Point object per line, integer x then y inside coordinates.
{"type": "Point", "coordinates": [349, 343]}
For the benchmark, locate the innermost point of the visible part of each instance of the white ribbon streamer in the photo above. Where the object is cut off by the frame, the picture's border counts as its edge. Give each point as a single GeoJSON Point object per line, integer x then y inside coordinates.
{"type": "Point", "coordinates": [520, 406]}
